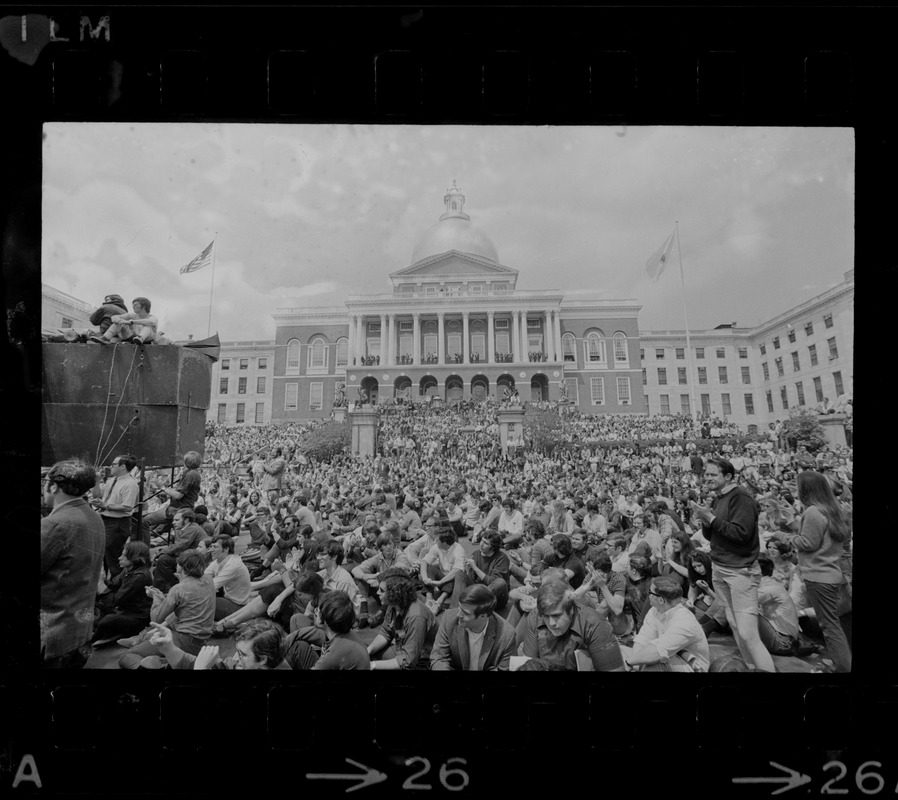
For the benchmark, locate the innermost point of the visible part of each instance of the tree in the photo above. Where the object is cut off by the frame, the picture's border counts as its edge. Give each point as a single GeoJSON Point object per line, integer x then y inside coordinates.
{"type": "Point", "coordinates": [326, 441]}
{"type": "Point", "coordinates": [804, 427]}
{"type": "Point", "coordinates": [542, 428]}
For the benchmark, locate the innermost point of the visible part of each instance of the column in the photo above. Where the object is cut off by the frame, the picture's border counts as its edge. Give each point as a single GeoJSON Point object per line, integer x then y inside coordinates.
{"type": "Point", "coordinates": [559, 352]}
{"type": "Point", "coordinates": [383, 334]}
{"type": "Point", "coordinates": [391, 335]}
{"type": "Point", "coordinates": [350, 346]}
{"type": "Point", "coordinates": [490, 338]}
{"type": "Point", "coordinates": [416, 341]}
{"type": "Point", "coordinates": [548, 335]}
{"type": "Point", "coordinates": [524, 346]}
{"type": "Point", "coordinates": [441, 337]}
{"type": "Point", "coordinates": [464, 336]}
{"type": "Point", "coordinates": [514, 335]}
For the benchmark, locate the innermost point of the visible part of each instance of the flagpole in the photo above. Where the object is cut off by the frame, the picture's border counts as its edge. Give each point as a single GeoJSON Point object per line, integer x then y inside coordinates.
{"type": "Point", "coordinates": [211, 287]}
{"type": "Point", "coordinates": [686, 320]}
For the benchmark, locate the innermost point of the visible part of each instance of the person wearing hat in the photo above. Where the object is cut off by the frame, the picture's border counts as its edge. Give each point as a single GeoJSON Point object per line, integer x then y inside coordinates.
{"type": "Point", "coordinates": [113, 304]}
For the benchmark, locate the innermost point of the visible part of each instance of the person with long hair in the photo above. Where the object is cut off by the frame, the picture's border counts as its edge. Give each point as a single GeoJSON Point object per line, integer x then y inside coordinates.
{"type": "Point", "coordinates": [676, 563]}
{"type": "Point", "coordinates": [409, 627]}
{"type": "Point", "coordinates": [823, 536]}
{"type": "Point", "coordinates": [125, 606]}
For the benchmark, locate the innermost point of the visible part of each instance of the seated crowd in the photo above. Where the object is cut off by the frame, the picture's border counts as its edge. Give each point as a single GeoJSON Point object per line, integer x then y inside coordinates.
{"type": "Point", "coordinates": [583, 558]}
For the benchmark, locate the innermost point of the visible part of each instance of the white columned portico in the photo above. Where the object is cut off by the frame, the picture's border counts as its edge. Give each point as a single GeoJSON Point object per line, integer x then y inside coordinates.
{"type": "Point", "coordinates": [490, 339]}
{"type": "Point", "coordinates": [441, 337]}
{"type": "Point", "coordinates": [416, 344]}
{"type": "Point", "coordinates": [524, 344]}
{"type": "Point", "coordinates": [559, 355]}
{"type": "Point", "coordinates": [391, 334]}
{"type": "Point", "coordinates": [464, 336]}
{"type": "Point", "coordinates": [383, 333]}
{"type": "Point", "coordinates": [350, 343]}
{"type": "Point", "coordinates": [515, 335]}
{"type": "Point", "coordinates": [548, 335]}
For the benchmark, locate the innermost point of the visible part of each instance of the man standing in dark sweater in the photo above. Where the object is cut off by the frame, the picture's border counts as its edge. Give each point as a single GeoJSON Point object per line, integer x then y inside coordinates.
{"type": "Point", "coordinates": [732, 529]}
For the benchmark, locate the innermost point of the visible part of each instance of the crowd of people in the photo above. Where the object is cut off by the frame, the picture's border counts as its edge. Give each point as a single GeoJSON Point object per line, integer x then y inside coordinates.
{"type": "Point", "coordinates": [622, 553]}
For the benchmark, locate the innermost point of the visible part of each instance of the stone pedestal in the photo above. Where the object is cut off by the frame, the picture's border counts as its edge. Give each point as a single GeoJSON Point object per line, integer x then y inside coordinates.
{"type": "Point", "coordinates": [834, 429]}
{"type": "Point", "coordinates": [511, 425]}
{"type": "Point", "coordinates": [364, 430]}
{"type": "Point", "coordinates": [340, 413]}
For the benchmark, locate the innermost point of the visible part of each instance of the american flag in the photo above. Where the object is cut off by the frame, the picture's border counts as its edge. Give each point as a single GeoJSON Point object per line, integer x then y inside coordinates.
{"type": "Point", "coordinates": [204, 259]}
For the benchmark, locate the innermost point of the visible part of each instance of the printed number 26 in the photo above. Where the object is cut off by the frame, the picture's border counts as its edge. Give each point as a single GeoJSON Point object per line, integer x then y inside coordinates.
{"type": "Point", "coordinates": [460, 777]}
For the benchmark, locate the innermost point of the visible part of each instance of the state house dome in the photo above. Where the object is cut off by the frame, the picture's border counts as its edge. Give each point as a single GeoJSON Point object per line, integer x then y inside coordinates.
{"type": "Point", "coordinates": [454, 231]}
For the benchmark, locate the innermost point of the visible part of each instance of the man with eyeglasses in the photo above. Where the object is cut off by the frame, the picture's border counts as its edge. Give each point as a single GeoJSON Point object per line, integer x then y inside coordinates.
{"type": "Point", "coordinates": [671, 638]}
{"type": "Point", "coordinates": [115, 500]}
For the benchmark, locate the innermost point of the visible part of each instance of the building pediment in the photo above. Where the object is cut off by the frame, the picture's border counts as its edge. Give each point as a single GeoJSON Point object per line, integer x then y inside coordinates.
{"type": "Point", "coordinates": [455, 264]}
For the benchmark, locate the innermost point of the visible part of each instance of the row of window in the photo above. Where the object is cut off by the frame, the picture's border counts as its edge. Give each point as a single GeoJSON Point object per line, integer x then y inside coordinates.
{"type": "Point", "coordinates": [241, 385]}
{"type": "Point", "coordinates": [726, 405]}
{"type": "Point", "coordinates": [808, 331]}
{"type": "Point", "coordinates": [594, 348]}
{"type": "Point", "coordinates": [838, 385]}
{"type": "Point", "coordinates": [243, 363]}
{"type": "Point", "coordinates": [722, 375]}
{"type": "Point", "coordinates": [316, 396]}
{"type": "Point", "coordinates": [680, 353]}
{"type": "Point", "coordinates": [241, 413]}
{"type": "Point", "coordinates": [597, 390]}
{"type": "Point", "coordinates": [796, 360]}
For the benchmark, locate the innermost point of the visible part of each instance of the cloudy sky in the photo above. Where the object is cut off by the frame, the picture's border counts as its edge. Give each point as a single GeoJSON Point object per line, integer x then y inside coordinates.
{"type": "Point", "coordinates": [306, 215]}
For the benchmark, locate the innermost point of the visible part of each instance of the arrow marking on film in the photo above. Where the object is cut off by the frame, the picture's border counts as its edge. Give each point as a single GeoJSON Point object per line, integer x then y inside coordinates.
{"type": "Point", "coordinates": [369, 778]}
{"type": "Point", "coordinates": [792, 780]}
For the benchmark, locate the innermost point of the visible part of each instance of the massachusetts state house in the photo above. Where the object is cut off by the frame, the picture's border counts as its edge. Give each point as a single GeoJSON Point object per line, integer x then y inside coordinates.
{"type": "Point", "coordinates": [455, 326]}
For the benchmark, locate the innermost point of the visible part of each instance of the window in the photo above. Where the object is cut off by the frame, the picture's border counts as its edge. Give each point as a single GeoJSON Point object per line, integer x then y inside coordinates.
{"type": "Point", "coordinates": [406, 326]}
{"type": "Point", "coordinates": [478, 345]}
{"type": "Point", "coordinates": [743, 352]}
{"type": "Point", "coordinates": [792, 335]}
{"type": "Point", "coordinates": [241, 413]}
{"type": "Point", "coordinates": [567, 347]}
{"type": "Point", "coordinates": [812, 350]}
{"type": "Point", "coordinates": [776, 342]}
{"type": "Point", "coordinates": [680, 353]}
{"type": "Point", "coordinates": [809, 329]}
{"type": "Point", "coordinates": [430, 344]}
{"type": "Point", "coordinates": [642, 354]}
{"type": "Point", "coordinates": [623, 391]}
{"type": "Point", "coordinates": [796, 363]}
{"type": "Point", "coordinates": [722, 374]}
{"type": "Point", "coordinates": [818, 389]}
{"type": "Point", "coordinates": [291, 392]}
{"type": "Point", "coordinates": [828, 320]}
{"type": "Point", "coordinates": [621, 355]}
{"type": "Point", "coordinates": [703, 375]}
{"type": "Point", "coordinates": [684, 404]}
{"type": "Point", "coordinates": [766, 370]}
{"type": "Point", "coordinates": [779, 367]}
{"type": "Point", "coordinates": [260, 385]}
{"type": "Point", "coordinates": [706, 403]}
{"type": "Point", "coordinates": [662, 376]}
{"type": "Point", "coordinates": [343, 351]}
{"type": "Point", "coordinates": [501, 324]}
{"type": "Point", "coordinates": [799, 386]}
{"type": "Point", "coordinates": [840, 388]}
{"type": "Point", "coordinates": [721, 352]}
{"type": "Point", "coordinates": [645, 379]}
{"type": "Point", "coordinates": [699, 352]}
{"type": "Point", "coordinates": [222, 412]}
{"type": "Point", "coordinates": [226, 363]}
{"type": "Point", "coordinates": [573, 390]}
{"type": "Point", "coordinates": [770, 401]}
{"type": "Point", "coordinates": [293, 355]}
{"type": "Point", "coordinates": [749, 405]}
{"type": "Point", "coordinates": [725, 405]}
{"type": "Point", "coordinates": [263, 363]}
{"type": "Point", "coordinates": [503, 343]}
{"type": "Point", "coordinates": [244, 363]}
{"type": "Point", "coordinates": [316, 393]}
{"type": "Point", "coordinates": [763, 349]}
{"type": "Point", "coordinates": [597, 391]}
{"type": "Point", "coordinates": [241, 386]}
{"type": "Point", "coordinates": [453, 344]}
{"type": "Point", "coordinates": [659, 352]}
{"type": "Point", "coordinates": [223, 386]}
{"type": "Point", "coordinates": [430, 290]}
{"type": "Point", "coordinates": [784, 397]}
{"type": "Point", "coordinates": [317, 354]}
{"type": "Point", "coordinates": [595, 348]}
{"type": "Point", "coordinates": [665, 404]}
{"type": "Point", "coordinates": [746, 374]}
{"type": "Point", "coordinates": [260, 413]}
{"type": "Point", "coordinates": [66, 323]}
{"type": "Point", "coordinates": [833, 350]}
{"type": "Point", "coordinates": [681, 375]}
{"type": "Point", "coordinates": [533, 323]}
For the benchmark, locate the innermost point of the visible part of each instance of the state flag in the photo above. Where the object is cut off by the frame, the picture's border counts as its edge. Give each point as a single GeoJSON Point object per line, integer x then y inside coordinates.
{"type": "Point", "coordinates": [658, 262]}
